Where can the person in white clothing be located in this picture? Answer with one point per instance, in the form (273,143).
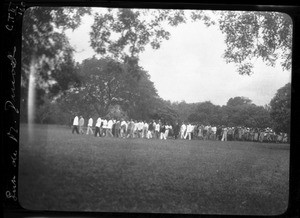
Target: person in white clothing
(167,130)
(140,127)
(75,125)
(214,132)
(149,128)
(189,130)
(109,128)
(157,129)
(224,136)
(182,130)
(89,126)
(98,127)
(135,129)
(123,129)
(145,130)
(104,127)
(81,124)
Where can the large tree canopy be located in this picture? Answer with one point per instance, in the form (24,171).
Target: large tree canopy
(256,34)
(45,45)
(125,32)
(248,34)
(281,109)
(240,100)
(47,54)
(106,83)
(205,113)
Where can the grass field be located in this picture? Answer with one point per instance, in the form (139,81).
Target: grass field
(61,171)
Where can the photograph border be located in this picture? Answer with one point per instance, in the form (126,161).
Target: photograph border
(11,26)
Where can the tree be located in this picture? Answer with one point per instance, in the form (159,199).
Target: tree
(44,111)
(205,113)
(281,109)
(240,111)
(164,111)
(106,84)
(232,102)
(256,34)
(183,109)
(144,99)
(251,115)
(116,112)
(45,45)
(48,67)
(248,34)
(125,32)
(50,112)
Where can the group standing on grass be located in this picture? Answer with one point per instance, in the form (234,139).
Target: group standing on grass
(164,130)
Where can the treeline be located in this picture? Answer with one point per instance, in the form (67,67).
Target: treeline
(239,111)
(108,88)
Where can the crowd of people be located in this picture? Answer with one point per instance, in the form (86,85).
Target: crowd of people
(156,129)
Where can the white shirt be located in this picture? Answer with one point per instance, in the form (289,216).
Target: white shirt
(140,126)
(154,125)
(81,121)
(123,123)
(190,128)
(214,129)
(90,123)
(104,123)
(157,127)
(75,122)
(98,123)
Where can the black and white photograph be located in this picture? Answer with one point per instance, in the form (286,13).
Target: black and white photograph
(160,111)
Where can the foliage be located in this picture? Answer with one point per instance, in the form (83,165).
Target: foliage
(205,113)
(125,32)
(116,112)
(248,34)
(232,102)
(165,112)
(183,109)
(46,49)
(241,111)
(106,83)
(51,112)
(44,39)
(256,34)
(281,109)
(248,115)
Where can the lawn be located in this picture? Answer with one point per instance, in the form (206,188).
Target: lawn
(62,171)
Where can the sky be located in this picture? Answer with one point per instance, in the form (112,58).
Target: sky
(189,66)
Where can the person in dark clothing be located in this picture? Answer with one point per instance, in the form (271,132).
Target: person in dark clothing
(117,129)
(176,130)
(113,130)
(219,133)
(151,129)
(162,131)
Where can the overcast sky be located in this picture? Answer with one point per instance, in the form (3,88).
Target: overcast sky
(189,66)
